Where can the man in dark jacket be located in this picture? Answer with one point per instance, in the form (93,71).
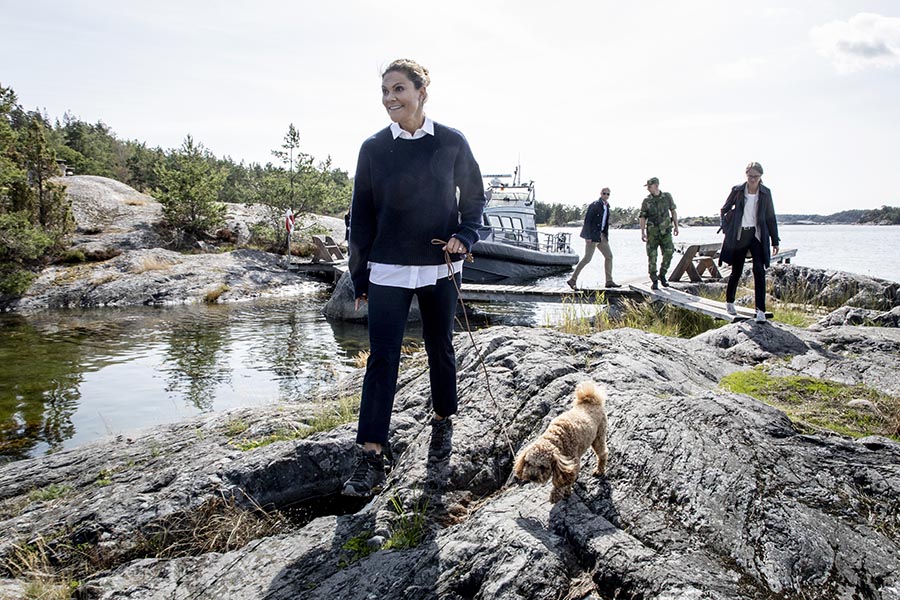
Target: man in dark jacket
(596,235)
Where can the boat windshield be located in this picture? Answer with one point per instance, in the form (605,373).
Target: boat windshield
(509,195)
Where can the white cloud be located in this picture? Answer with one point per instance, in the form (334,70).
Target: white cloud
(866,40)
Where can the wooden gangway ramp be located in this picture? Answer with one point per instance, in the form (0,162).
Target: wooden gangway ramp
(492,292)
(699,304)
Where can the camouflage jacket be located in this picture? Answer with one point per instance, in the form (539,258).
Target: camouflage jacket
(657,210)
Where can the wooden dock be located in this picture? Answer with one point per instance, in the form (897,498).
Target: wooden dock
(695,303)
(484,292)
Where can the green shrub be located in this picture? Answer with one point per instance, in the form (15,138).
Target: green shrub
(73,256)
(21,242)
(15,281)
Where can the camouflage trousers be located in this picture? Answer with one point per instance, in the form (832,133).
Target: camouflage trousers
(661,239)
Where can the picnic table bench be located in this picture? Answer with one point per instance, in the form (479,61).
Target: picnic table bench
(698,260)
(327,250)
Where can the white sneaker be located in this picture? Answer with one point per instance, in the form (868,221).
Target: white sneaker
(729,308)
(760,316)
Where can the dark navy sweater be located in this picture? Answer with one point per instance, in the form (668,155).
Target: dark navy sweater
(404,196)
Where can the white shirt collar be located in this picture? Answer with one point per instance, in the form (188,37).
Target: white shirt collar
(427,128)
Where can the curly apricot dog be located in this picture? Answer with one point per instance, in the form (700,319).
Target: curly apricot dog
(557,452)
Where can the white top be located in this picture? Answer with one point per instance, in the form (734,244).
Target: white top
(410,276)
(749,219)
(750,201)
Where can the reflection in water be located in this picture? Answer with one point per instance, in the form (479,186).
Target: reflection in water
(39,389)
(67,377)
(195,363)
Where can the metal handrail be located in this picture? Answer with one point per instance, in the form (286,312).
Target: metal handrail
(553,243)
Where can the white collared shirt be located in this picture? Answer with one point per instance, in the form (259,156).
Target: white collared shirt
(427,128)
(410,276)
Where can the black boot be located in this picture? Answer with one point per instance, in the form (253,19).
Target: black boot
(441,439)
(367,478)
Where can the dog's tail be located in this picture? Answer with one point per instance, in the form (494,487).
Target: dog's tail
(588,392)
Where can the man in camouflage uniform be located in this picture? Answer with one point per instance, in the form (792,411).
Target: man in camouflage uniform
(658,217)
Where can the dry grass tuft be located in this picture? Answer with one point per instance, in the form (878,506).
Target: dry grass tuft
(212,296)
(150,263)
(663,319)
(53,565)
(219,525)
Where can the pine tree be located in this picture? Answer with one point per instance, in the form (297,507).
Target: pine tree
(189,190)
(44,199)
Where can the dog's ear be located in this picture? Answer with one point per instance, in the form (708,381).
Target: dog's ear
(565,470)
(519,468)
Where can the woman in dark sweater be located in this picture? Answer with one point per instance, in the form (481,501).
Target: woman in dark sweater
(416,181)
(748,220)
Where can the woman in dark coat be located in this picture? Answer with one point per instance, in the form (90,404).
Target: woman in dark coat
(748,220)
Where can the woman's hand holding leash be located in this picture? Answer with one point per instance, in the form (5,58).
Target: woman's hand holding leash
(454,246)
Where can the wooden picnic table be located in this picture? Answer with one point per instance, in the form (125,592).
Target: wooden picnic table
(698,260)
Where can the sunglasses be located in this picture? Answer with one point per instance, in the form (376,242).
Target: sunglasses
(604,193)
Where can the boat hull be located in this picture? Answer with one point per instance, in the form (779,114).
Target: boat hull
(496,262)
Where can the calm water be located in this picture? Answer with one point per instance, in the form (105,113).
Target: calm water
(868,250)
(68,377)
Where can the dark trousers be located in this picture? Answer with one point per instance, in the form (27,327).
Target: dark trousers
(749,242)
(388,311)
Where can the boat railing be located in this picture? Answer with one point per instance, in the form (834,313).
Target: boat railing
(560,243)
(553,243)
(512,236)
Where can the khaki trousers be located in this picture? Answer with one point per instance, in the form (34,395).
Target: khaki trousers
(605,250)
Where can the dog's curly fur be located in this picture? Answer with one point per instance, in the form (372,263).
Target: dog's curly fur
(557,452)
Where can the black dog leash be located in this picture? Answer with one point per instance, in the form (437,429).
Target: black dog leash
(468,328)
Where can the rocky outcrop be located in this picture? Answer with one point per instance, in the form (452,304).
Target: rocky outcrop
(341,304)
(708,494)
(111,217)
(159,277)
(118,232)
(851,315)
(833,288)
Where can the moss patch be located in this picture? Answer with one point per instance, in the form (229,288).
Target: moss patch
(817,404)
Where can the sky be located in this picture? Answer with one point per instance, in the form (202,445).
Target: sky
(581,95)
